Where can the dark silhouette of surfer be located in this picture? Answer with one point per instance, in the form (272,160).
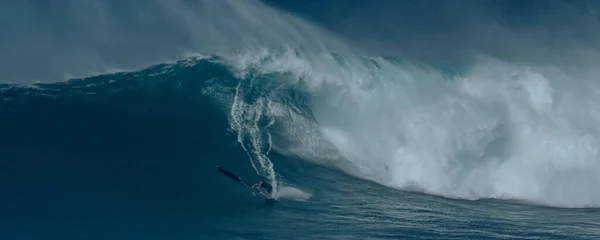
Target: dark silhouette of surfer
(265,185)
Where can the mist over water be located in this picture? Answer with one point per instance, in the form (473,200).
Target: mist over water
(512,123)
(70,39)
(78,38)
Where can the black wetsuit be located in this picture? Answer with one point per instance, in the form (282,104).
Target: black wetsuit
(267,186)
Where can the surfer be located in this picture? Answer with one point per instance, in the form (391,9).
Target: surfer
(264,185)
(255,187)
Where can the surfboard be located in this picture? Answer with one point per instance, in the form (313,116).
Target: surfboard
(240,180)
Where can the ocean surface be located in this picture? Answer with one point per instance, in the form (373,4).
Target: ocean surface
(357,144)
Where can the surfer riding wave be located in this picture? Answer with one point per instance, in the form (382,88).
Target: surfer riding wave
(265,185)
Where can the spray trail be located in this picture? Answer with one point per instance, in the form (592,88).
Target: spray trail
(246,120)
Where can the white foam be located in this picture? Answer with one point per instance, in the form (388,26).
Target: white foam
(292,193)
(439,136)
(502,130)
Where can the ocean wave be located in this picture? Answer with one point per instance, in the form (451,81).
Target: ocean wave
(498,131)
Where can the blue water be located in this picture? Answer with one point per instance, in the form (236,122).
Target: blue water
(132,154)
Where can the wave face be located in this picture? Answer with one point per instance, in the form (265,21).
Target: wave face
(496,131)
(106,153)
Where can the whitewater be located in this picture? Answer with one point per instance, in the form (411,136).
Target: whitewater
(358,143)
(498,131)
(495,130)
